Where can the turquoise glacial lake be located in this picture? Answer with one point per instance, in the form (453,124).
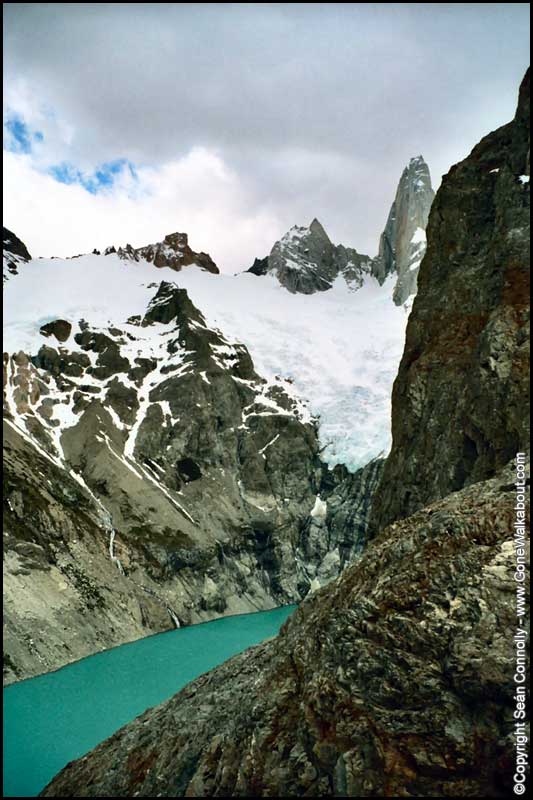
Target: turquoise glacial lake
(54,718)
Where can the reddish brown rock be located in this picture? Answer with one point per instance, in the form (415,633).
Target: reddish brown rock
(173,252)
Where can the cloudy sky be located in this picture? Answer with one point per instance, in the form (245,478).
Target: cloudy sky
(232,122)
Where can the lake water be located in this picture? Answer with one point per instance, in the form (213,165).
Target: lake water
(52,719)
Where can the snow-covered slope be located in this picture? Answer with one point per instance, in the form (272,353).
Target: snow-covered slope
(340,348)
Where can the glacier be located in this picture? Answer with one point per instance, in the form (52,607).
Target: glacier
(339,350)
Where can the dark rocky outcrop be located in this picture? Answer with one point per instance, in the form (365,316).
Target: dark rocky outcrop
(60,328)
(394,681)
(336,531)
(397,679)
(173,252)
(259,267)
(460,398)
(306,261)
(403,242)
(350,506)
(15,253)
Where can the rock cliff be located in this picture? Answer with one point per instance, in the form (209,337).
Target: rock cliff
(460,398)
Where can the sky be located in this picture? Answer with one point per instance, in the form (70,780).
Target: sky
(232,122)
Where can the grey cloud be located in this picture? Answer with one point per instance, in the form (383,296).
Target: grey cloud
(317,107)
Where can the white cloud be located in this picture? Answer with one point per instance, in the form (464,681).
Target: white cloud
(244,119)
(197,194)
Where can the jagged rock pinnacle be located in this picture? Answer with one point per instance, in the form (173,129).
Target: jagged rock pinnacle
(403,242)
(306,261)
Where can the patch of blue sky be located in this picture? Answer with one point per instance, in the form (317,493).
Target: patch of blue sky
(18,138)
(101,179)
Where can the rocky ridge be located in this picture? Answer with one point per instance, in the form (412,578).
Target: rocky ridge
(174,252)
(305,260)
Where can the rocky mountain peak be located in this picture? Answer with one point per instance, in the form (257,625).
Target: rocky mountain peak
(416,177)
(174,252)
(305,261)
(403,242)
(417,162)
(171,303)
(317,229)
(178,241)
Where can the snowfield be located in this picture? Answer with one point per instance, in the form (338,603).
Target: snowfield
(340,348)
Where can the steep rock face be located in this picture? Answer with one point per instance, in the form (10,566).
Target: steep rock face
(197,478)
(306,261)
(173,252)
(460,397)
(396,680)
(350,498)
(15,253)
(64,596)
(336,530)
(403,242)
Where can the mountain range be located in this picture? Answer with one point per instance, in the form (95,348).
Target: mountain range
(305,260)
(398,678)
(181,444)
(187,425)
